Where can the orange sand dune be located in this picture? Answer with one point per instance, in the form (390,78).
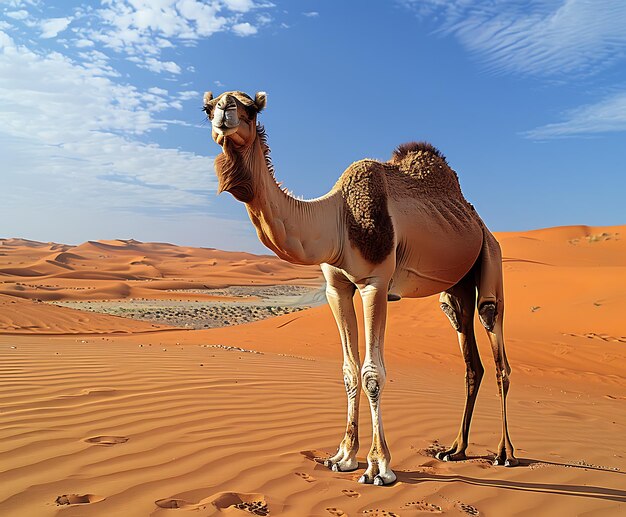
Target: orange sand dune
(99,270)
(18,316)
(161,423)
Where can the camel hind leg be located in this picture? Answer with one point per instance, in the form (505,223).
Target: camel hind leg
(459,304)
(491,315)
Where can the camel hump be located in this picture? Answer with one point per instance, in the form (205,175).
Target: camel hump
(427,167)
(403,150)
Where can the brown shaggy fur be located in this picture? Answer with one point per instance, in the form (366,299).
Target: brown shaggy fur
(364,190)
(423,162)
(233,174)
(367,184)
(413,147)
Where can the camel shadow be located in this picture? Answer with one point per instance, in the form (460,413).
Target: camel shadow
(594,492)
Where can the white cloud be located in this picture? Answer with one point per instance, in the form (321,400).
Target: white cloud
(74,139)
(311,14)
(608,115)
(84,43)
(188,95)
(242,6)
(50,28)
(244,29)
(157,91)
(5,40)
(542,37)
(17,15)
(155,65)
(264,19)
(146,27)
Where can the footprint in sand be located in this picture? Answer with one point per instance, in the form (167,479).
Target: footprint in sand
(335,511)
(172,503)
(305,476)
(350,493)
(468,508)
(254,504)
(375,512)
(107,441)
(69,499)
(422,506)
(315,456)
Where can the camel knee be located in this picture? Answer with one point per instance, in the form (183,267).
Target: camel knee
(373,383)
(452,315)
(487,314)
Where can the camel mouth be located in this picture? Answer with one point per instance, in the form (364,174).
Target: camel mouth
(224,130)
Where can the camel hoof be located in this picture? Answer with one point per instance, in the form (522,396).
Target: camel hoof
(511,462)
(447,458)
(335,467)
(378,481)
(497,462)
(364,479)
(440,456)
(328,464)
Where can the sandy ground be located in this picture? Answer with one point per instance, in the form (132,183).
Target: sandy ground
(102,415)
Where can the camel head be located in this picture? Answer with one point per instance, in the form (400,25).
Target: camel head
(233,116)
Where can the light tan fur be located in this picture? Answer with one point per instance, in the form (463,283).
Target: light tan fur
(391,230)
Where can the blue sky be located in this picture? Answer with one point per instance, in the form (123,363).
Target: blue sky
(102,134)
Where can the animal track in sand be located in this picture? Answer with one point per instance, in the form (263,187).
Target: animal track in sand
(255,508)
(254,504)
(602,337)
(375,512)
(305,476)
(173,503)
(315,456)
(336,512)
(107,441)
(432,449)
(467,508)
(71,499)
(350,493)
(422,506)
(251,503)
(481,462)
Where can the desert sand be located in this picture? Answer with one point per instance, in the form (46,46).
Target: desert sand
(106,415)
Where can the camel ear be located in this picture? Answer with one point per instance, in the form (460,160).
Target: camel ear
(208,97)
(260,101)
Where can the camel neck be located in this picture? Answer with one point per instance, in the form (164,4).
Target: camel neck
(301,232)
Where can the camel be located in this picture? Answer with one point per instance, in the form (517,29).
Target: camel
(396,229)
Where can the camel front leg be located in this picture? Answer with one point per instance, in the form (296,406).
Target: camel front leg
(373,377)
(340,293)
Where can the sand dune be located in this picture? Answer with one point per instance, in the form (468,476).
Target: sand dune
(98,270)
(18,316)
(229,421)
